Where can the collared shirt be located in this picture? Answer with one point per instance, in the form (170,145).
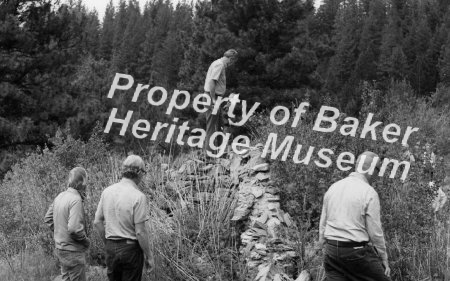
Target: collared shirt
(121,207)
(66,216)
(440,200)
(216,72)
(351,212)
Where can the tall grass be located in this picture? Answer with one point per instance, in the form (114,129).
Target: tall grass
(193,242)
(196,241)
(25,262)
(416,239)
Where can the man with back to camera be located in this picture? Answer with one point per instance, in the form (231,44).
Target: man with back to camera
(350,219)
(65,217)
(120,220)
(215,85)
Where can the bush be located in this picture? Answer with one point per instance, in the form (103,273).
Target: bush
(407,217)
(197,242)
(194,243)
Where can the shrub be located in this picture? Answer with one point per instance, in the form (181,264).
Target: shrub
(194,243)
(407,217)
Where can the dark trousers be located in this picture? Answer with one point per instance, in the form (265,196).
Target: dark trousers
(213,124)
(73,265)
(124,260)
(353,264)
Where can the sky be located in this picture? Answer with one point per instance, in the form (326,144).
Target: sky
(100,5)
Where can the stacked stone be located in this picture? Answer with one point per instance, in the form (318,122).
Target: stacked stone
(199,178)
(268,256)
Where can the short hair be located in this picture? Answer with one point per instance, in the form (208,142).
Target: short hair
(368,157)
(77,176)
(132,167)
(230,53)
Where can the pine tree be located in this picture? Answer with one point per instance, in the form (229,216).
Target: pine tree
(416,47)
(342,79)
(169,55)
(369,45)
(132,38)
(444,64)
(392,62)
(91,34)
(40,47)
(162,22)
(443,42)
(107,32)
(120,24)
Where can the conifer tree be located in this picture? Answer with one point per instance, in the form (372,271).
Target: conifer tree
(369,45)
(444,64)
(120,24)
(392,62)
(107,32)
(342,80)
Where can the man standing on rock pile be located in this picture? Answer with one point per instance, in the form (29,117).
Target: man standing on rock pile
(350,220)
(121,222)
(215,85)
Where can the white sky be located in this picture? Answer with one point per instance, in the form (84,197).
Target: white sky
(100,5)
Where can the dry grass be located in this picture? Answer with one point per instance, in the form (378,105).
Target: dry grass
(194,242)
(197,242)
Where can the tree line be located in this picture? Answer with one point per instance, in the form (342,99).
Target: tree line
(57,60)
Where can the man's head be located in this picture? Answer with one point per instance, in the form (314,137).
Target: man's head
(231,56)
(133,168)
(446,184)
(78,179)
(368,164)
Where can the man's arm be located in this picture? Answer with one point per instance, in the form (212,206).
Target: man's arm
(75,225)
(48,219)
(100,227)
(323,222)
(99,220)
(141,216)
(212,90)
(142,235)
(216,72)
(373,224)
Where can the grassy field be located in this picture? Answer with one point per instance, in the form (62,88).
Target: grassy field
(197,241)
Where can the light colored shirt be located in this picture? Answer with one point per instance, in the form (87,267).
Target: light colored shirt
(216,72)
(439,201)
(351,212)
(66,217)
(121,207)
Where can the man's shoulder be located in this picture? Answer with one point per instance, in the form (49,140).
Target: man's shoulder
(352,180)
(113,187)
(217,63)
(340,182)
(67,197)
(109,188)
(138,193)
(124,186)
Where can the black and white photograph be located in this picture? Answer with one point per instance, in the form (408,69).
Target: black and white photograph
(224,140)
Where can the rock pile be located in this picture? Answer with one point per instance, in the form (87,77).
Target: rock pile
(200,178)
(268,256)
(258,218)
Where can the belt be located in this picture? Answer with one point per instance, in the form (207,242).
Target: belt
(346,244)
(123,241)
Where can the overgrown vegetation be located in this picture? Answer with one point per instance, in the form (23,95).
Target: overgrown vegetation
(194,242)
(56,72)
(386,57)
(417,239)
(197,241)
